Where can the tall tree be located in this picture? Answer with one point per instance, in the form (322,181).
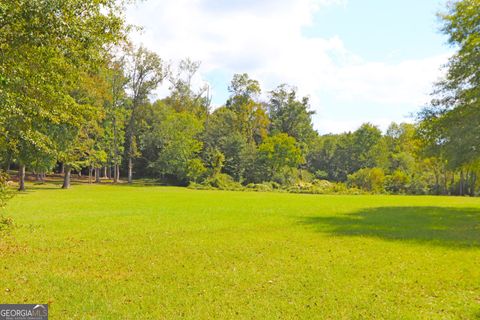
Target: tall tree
(252,119)
(183,96)
(41,60)
(451,123)
(145,71)
(290,115)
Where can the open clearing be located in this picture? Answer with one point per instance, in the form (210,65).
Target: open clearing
(131,252)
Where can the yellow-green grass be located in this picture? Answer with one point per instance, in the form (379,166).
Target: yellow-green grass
(121,252)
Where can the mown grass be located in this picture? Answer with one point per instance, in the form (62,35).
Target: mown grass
(120,252)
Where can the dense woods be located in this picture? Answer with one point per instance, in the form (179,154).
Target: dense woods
(75,97)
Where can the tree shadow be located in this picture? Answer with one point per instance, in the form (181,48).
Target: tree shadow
(453,227)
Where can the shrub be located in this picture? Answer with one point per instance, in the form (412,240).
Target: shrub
(368,179)
(195,169)
(397,182)
(285,176)
(260,187)
(4,194)
(222,181)
(5,223)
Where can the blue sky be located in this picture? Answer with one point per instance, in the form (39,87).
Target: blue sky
(358,60)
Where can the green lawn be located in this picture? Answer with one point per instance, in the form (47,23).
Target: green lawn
(119,252)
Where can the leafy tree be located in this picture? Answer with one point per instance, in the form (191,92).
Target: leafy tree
(278,152)
(450,124)
(222,134)
(251,116)
(145,72)
(175,137)
(182,96)
(41,63)
(290,115)
(116,113)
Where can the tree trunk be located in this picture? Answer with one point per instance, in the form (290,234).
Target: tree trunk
(97,175)
(105,172)
(452,184)
(21,178)
(473,181)
(461,184)
(66,177)
(445,182)
(437,182)
(90,169)
(130,170)
(116,173)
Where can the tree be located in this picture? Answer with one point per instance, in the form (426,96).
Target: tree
(145,72)
(222,134)
(251,116)
(174,137)
(450,124)
(41,62)
(278,152)
(290,115)
(183,97)
(343,154)
(116,114)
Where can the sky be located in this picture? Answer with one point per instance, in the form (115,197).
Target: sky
(358,60)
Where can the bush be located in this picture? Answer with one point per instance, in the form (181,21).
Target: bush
(199,186)
(285,176)
(195,169)
(4,194)
(222,181)
(368,179)
(397,182)
(5,223)
(260,187)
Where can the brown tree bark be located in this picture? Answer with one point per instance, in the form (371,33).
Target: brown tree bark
(21,178)
(130,170)
(66,177)
(97,175)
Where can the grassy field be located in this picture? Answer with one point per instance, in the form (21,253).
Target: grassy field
(120,252)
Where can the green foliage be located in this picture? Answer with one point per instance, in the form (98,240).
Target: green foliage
(368,179)
(5,223)
(291,116)
(449,125)
(48,50)
(223,182)
(195,170)
(251,116)
(4,194)
(279,152)
(397,182)
(175,136)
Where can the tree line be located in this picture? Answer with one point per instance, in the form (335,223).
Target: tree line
(75,96)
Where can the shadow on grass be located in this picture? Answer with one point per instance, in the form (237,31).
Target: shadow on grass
(455,227)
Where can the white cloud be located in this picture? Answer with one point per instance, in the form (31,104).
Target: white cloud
(265,39)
